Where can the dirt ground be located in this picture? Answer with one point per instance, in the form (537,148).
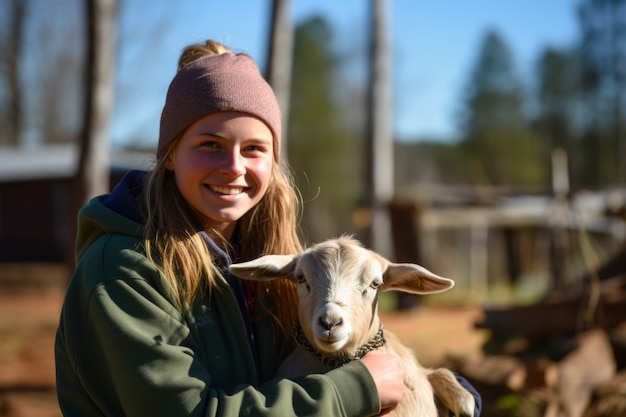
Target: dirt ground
(28,320)
(27,326)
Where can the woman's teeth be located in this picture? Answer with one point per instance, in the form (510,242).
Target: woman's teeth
(226,190)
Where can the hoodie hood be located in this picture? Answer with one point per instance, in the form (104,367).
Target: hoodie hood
(118,212)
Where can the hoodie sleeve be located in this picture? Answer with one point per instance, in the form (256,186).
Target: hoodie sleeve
(123,349)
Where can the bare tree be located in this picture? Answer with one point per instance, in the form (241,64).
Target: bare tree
(280,57)
(55,97)
(13,51)
(40,59)
(93,173)
(93,167)
(379,133)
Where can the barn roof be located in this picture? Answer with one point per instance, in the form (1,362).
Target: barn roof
(60,161)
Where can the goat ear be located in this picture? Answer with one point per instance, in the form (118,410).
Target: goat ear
(265,268)
(414,279)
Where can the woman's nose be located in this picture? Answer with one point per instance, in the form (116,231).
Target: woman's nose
(233,163)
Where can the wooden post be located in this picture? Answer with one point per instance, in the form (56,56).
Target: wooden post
(558,232)
(406,245)
(512,250)
(479,256)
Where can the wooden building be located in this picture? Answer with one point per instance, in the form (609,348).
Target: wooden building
(35,186)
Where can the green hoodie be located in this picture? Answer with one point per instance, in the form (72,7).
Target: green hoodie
(124,349)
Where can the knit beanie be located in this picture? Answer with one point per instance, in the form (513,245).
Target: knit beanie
(218,83)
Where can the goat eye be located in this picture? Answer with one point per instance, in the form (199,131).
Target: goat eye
(302,280)
(375,284)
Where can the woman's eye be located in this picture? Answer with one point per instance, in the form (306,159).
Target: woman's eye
(255,148)
(210,145)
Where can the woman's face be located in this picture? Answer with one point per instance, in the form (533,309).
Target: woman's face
(223,165)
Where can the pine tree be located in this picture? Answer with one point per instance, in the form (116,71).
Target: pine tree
(494,123)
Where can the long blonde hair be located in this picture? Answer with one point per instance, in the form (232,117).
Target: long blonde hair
(270,227)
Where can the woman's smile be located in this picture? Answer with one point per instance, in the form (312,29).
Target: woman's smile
(226,190)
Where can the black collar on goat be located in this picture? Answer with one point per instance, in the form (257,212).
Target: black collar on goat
(335,360)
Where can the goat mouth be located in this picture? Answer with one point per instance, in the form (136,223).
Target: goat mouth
(329,346)
(336,356)
(330,343)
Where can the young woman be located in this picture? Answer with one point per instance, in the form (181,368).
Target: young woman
(152,323)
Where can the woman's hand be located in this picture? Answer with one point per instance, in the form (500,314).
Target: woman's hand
(388,376)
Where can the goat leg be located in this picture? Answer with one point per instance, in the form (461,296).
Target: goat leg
(450,393)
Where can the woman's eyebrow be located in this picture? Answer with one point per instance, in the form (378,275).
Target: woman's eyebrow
(224,135)
(261,139)
(216,133)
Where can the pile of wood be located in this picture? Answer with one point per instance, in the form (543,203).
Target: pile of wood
(562,357)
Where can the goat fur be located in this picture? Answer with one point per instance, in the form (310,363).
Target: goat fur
(338,284)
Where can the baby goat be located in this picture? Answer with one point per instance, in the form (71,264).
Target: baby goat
(338,284)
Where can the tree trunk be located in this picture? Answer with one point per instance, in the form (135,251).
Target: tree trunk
(93,173)
(279,61)
(93,166)
(379,166)
(14,119)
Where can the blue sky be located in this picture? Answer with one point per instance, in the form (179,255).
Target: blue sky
(434,44)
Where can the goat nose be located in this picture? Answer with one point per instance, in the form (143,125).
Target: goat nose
(329,323)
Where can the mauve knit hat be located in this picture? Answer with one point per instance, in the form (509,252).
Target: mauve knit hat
(218,83)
